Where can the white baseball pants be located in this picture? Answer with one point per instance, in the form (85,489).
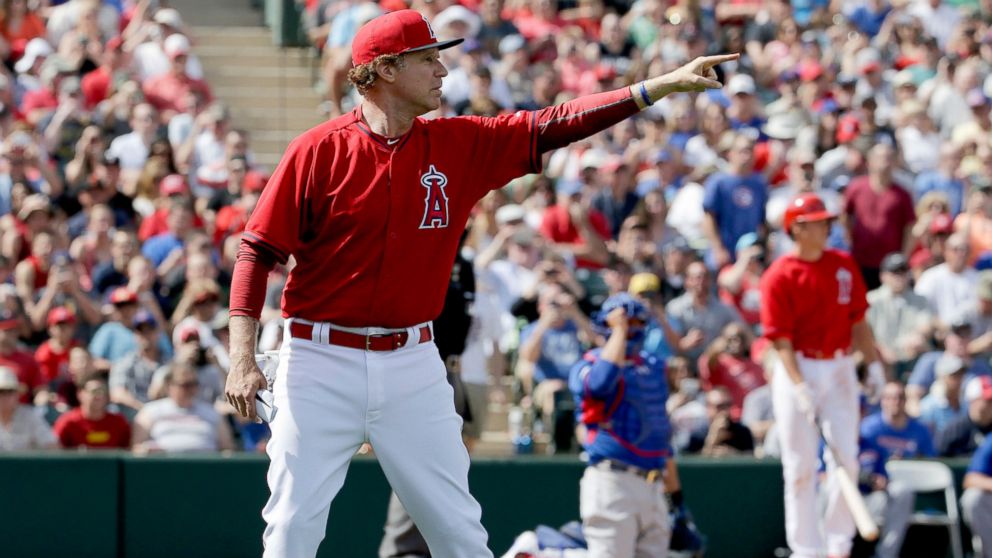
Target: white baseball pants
(331,399)
(835,394)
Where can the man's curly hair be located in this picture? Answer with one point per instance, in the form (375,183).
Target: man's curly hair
(363,76)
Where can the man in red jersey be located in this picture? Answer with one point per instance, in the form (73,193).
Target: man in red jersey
(371,206)
(814,303)
(91,425)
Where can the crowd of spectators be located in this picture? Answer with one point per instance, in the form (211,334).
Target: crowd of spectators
(124,187)
(881,107)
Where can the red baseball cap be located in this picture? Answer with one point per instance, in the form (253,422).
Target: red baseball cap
(848,128)
(397,32)
(123,295)
(61,315)
(188,332)
(173,184)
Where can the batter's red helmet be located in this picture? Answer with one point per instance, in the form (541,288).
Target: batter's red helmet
(805,209)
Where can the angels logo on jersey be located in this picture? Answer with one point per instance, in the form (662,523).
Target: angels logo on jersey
(844,286)
(436,202)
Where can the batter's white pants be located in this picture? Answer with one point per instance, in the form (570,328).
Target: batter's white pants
(835,394)
(623,515)
(330,400)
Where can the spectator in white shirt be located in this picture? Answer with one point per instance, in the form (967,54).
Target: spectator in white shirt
(952,285)
(21,428)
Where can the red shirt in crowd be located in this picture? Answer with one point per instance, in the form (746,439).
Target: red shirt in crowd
(74,430)
(740,376)
(158,223)
(53,364)
(813,304)
(557,226)
(231,219)
(880,220)
(168,91)
(747,301)
(95,86)
(42,98)
(26,369)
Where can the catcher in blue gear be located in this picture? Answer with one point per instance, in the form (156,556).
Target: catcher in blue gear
(620,394)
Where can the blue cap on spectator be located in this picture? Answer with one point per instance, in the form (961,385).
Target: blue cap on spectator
(662,156)
(827,106)
(677,244)
(719,97)
(984,261)
(746,241)
(568,186)
(143,317)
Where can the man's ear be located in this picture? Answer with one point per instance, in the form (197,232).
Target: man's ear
(386,72)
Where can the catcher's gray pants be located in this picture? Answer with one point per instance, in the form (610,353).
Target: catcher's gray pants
(623,515)
(976,507)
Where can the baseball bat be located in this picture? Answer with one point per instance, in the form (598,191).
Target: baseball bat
(867,527)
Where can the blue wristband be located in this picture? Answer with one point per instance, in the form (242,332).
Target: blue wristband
(644,95)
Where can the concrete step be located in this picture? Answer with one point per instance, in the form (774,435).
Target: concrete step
(231,36)
(253,56)
(299,80)
(497,417)
(268,98)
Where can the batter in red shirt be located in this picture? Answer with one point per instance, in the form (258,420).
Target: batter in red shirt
(371,206)
(813,308)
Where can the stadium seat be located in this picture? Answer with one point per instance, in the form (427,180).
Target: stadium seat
(931,476)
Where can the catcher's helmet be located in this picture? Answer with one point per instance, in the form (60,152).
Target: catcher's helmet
(806,208)
(636,312)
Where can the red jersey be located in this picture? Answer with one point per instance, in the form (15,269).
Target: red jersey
(813,304)
(374,226)
(557,226)
(158,223)
(740,376)
(747,301)
(95,86)
(74,430)
(880,220)
(167,91)
(53,364)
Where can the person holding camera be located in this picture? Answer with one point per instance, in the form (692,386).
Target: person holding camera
(550,346)
(190,351)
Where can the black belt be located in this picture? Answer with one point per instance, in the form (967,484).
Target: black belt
(651,475)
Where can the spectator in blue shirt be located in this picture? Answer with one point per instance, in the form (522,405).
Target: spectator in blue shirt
(893,434)
(892,429)
(955,344)
(550,346)
(869,16)
(941,406)
(734,202)
(944,178)
(962,435)
(167,248)
(976,502)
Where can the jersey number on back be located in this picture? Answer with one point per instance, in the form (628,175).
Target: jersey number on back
(436,202)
